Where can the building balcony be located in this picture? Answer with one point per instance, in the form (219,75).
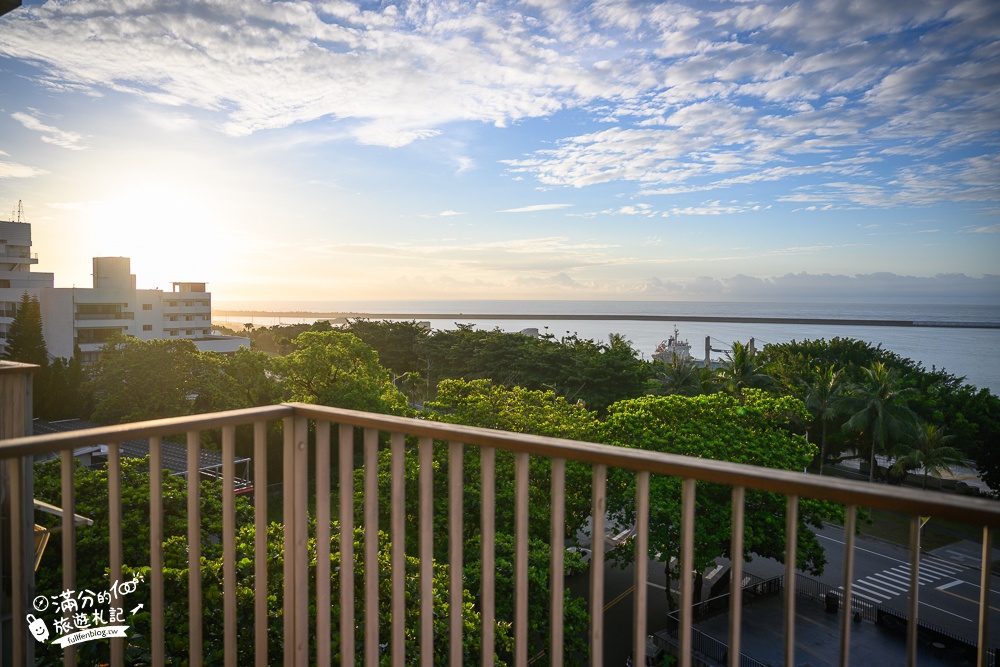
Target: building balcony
(187,306)
(315,440)
(21,257)
(94,319)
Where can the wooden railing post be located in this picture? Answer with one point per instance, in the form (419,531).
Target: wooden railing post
(16,512)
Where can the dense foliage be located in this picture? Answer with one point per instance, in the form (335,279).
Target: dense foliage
(25,342)
(790,406)
(481,403)
(91,496)
(758,430)
(93,564)
(854,373)
(58,383)
(338,369)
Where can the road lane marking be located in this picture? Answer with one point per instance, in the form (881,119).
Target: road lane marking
(962,597)
(923,575)
(856,594)
(621,596)
(947,586)
(968,583)
(933,567)
(869,584)
(869,592)
(945,611)
(891,583)
(900,578)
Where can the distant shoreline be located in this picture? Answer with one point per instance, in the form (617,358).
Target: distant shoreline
(629,318)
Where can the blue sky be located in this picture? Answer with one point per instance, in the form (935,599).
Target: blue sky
(538,149)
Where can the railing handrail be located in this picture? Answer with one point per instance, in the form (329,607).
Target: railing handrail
(296,598)
(790,483)
(54,442)
(967,510)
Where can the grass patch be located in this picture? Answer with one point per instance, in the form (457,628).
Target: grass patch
(936,533)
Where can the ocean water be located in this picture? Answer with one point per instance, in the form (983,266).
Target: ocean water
(965,352)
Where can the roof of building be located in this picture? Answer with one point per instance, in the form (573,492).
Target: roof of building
(174,454)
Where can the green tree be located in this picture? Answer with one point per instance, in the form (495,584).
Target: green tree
(91,497)
(929,451)
(607,373)
(518,410)
(975,417)
(578,369)
(788,362)
(824,395)
(758,432)
(61,392)
(339,370)
(253,380)
(935,396)
(484,404)
(878,410)
(398,343)
(26,344)
(742,370)
(135,380)
(25,341)
(176,615)
(92,567)
(681,375)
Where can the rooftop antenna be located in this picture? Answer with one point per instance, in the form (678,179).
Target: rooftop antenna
(20,212)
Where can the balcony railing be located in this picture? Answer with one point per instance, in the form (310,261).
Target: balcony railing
(326,434)
(88,317)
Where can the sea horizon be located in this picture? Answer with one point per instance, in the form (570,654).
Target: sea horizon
(900,308)
(968,353)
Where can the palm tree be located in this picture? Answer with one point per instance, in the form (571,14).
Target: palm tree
(930,451)
(823,395)
(681,375)
(741,371)
(879,409)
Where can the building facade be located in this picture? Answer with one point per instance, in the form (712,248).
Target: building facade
(87,317)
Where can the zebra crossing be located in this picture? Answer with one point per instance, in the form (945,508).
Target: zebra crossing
(895,581)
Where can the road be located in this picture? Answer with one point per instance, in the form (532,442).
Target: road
(948,596)
(949,581)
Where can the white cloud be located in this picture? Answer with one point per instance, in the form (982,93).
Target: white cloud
(702,97)
(956,287)
(713,208)
(263,65)
(15,170)
(535,208)
(50,134)
(988,229)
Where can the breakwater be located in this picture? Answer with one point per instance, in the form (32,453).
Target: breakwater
(240,314)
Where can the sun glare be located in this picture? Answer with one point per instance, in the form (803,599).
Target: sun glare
(171,233)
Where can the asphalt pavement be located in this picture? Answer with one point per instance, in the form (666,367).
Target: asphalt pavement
(948,596)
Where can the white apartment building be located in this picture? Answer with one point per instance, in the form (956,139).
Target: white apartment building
(88,316)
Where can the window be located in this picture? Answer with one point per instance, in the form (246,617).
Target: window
(147,306)
(147,327)
(188,332)
(173,332)
(4,283)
